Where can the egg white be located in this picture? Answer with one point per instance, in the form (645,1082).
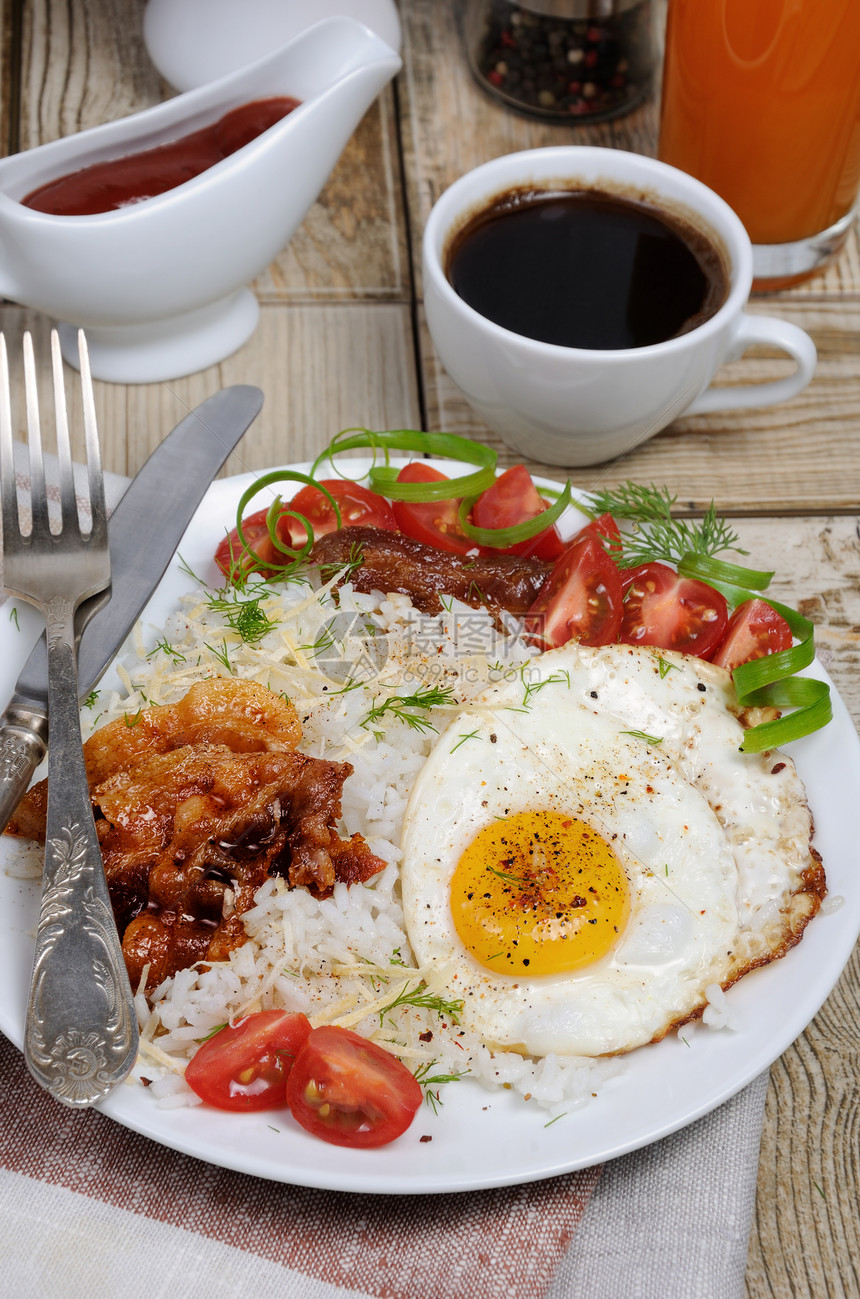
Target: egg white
(714,842)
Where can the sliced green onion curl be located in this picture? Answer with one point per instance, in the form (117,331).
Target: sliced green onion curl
(276,510)
(502,537)
(769,681)
(712,571)
(813,709)
(383,478)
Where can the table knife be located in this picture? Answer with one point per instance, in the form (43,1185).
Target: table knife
(144,531)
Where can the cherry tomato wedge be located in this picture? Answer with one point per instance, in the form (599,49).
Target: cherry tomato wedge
(436,523)
(605,527)
(349,1091)
(672,612)
(234,560)
(512,499)
(580,600)
(358,506)
(755,629)
(245,1066)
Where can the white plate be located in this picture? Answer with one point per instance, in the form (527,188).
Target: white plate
(192,42)
(482,1139)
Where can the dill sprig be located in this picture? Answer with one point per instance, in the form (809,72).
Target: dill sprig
(326,639)
(343,571)
(354,560)
(411,708)
(534,687)
(463,738)
(243,611)
(509,879)
(163,646)
(421,999)
(222,654)
(208,1036)
(642,735)
(656,534)
(428,1081)
(184,567)
(352,683)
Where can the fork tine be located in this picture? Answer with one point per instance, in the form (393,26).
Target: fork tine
(38,494)
(94,460)
(68,500)
(8,485)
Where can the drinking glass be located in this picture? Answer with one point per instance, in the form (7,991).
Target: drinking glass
(761,101)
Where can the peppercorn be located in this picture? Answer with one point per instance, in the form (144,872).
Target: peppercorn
(535,61)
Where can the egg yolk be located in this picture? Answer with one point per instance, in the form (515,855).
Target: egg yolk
(539,893)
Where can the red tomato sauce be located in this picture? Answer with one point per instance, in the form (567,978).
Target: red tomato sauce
(118,182)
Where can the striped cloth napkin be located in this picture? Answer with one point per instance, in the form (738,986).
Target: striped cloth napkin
(90,1210)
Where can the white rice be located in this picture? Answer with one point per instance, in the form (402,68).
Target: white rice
(342,960)
(718,1013)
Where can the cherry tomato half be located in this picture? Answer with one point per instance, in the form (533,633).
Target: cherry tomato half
(349,1091)
(606,529)
(672,612)
(580,600)
(245,1066)
(234,560)
(436,523)
(358,506)
(512,499)
(755,629)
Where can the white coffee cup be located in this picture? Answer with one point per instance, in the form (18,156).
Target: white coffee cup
(579,406)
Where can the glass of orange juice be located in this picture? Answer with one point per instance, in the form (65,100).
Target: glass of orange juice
(761,102)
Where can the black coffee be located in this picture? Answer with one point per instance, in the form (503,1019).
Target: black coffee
(585,268)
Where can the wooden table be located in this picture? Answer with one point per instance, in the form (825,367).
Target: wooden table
(342,341)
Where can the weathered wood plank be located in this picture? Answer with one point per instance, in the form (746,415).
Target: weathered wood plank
(321,368)
(800,456)
(83,63)
(352,244)
(9,75)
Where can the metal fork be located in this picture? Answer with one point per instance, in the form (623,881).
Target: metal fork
(81,1033)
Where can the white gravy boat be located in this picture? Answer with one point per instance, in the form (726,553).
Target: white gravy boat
(159,285)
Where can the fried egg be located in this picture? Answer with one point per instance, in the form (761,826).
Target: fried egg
(586,851)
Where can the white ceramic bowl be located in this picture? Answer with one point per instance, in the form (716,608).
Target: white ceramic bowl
(195,41)
(159,285)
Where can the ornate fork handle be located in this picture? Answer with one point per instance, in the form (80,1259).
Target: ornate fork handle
(81,1035)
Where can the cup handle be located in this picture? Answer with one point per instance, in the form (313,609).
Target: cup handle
(778,333)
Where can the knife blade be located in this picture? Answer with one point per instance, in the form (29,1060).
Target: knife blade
(143,531)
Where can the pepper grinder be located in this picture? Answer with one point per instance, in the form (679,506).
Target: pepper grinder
(581,60)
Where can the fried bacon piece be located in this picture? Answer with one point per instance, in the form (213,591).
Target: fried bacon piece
(244,716)
(182,827)
(203,796)
(391,561)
